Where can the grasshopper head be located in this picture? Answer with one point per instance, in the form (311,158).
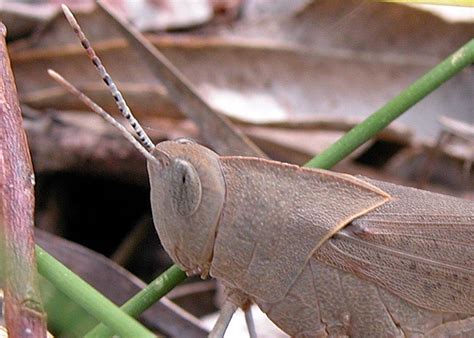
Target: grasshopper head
(187,197)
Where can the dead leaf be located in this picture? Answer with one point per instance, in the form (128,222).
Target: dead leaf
(252,82)
(365,26)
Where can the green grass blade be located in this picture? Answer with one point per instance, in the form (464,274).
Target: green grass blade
(145,298)
(394,108)
(88,297)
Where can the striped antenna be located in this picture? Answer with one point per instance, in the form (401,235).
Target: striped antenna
(119,100)
(97,109)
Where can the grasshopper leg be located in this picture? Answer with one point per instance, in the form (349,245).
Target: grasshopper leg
(227,311)
(250,323)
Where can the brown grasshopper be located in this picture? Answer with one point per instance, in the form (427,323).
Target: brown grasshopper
(321,253)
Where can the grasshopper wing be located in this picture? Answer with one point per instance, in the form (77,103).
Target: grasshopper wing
(419,245)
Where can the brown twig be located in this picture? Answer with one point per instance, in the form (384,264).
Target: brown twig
(23,310)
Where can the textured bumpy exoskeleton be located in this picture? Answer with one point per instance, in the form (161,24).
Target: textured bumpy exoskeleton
(321,253)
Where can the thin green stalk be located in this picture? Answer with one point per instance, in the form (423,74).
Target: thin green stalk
(88,297)
(145,298)
(394,108)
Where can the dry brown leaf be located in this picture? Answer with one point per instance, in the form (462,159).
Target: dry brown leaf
(357,25)
(22,19)
(148,15)
(253,82)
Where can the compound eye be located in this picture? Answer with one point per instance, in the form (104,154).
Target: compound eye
(185,140)
(186,188)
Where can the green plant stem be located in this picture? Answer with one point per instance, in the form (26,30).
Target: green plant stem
(145,298)
(88,297)
(394,108)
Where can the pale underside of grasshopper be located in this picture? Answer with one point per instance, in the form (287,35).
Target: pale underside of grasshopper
(321,253)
